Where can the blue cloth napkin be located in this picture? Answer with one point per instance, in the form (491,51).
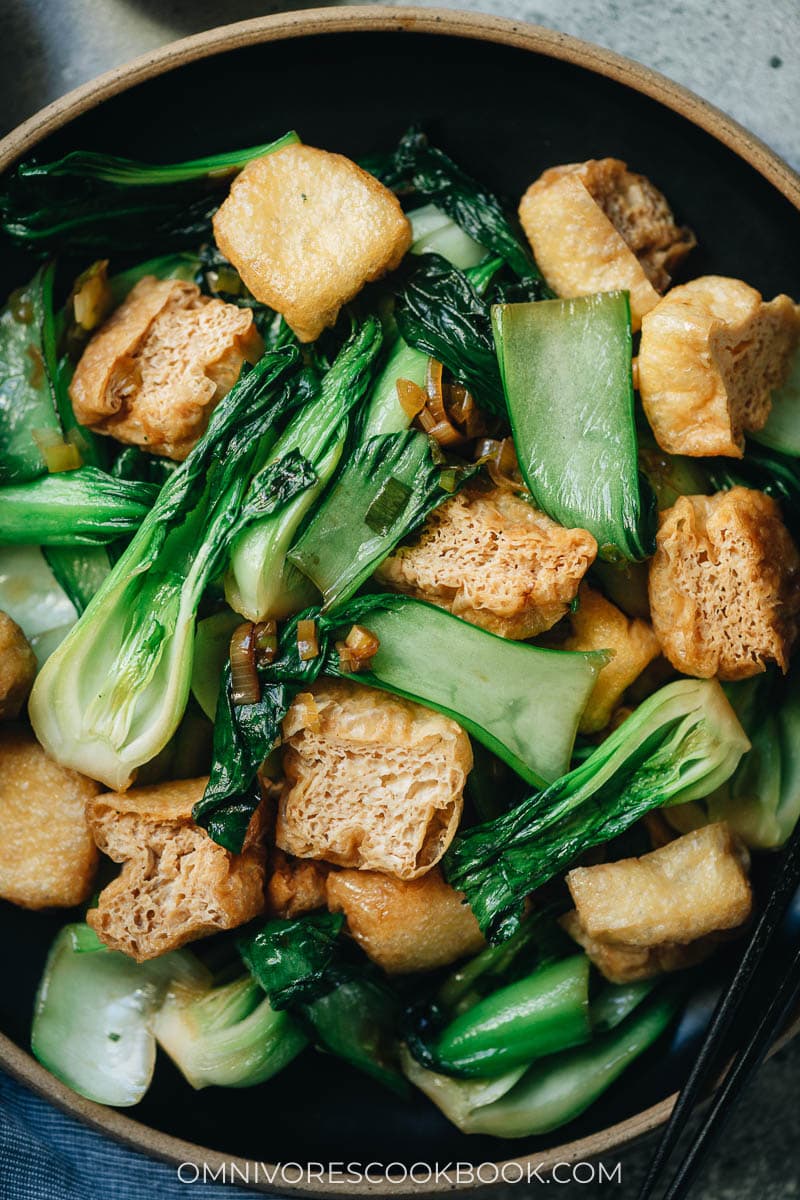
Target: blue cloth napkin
(45,1155)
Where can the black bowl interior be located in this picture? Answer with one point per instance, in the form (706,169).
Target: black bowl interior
(505,114)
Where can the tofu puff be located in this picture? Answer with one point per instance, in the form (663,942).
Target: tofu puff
(710,356)
(47,855)
(596,227)
(640,916)
(597,624)
(402,925)
(176,884)
(154,371)
(493,559)
(373,781)
(306,230)
(17,668)
(725,585)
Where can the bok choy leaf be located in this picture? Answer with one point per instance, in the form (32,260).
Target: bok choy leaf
(679,745)
(336,994)
(421,170)
(29,416)
(385,490)
(260,583)
(85,507)
(113,693)
(522,701)
(88,201)
(566,368)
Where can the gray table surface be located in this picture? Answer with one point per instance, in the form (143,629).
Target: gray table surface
(741,54)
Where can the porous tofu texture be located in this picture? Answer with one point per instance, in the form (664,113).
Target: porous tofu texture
(596,227)
(711,354)
(405,926)
(295,885)
(176,884)
(306,229)
(493,559)
(725,585)
(17,668)
(47,855)
(154,371)
(373,781)
(627,964)
(692,887)
(597,624)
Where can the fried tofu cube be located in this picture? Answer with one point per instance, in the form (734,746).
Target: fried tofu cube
(693,886)
(724,585)
(596,227)
(597,624)
(627,964)
(47,856)
(405,925)
(17,668)
(493,559)
(373,781)
(306,229)
(711,353)
(295,885)
(155,370)
(176,884)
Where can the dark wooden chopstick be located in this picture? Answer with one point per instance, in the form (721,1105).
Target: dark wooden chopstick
(739,1075)
(727,1008)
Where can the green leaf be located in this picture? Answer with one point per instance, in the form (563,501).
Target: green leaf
(88,201)
(28,406)
(386,488)
(680,744)
(85,507)
(566,367)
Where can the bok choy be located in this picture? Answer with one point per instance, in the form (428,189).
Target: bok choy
(333,990)
(566,368)
(522,1102)
(418,169)
(679,745)
(761,800)
(91,1024)
(522,701)
(385,490)
(260,583)
(85,507)
(113,693)
(92,201)
(229,1036)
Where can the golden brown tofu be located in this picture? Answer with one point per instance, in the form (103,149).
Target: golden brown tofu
(597,624)
(724,594)
(405,926)
(47,855)
(372,781)
(626,964)
(691,887)
(295,885)
(596,227)
(176,884)
(494,560)
(306,230)
(711,354)
(17,668)
(153,373)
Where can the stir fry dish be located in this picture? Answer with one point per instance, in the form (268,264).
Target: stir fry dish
(399,607)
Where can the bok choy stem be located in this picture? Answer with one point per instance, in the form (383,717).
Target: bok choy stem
(679,744)
(113,693)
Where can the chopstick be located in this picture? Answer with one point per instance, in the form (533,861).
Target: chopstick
(750,1054)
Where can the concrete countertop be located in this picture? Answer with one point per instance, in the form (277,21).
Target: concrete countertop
(745,58)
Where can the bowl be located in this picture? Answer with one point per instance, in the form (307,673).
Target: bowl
(505,99)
